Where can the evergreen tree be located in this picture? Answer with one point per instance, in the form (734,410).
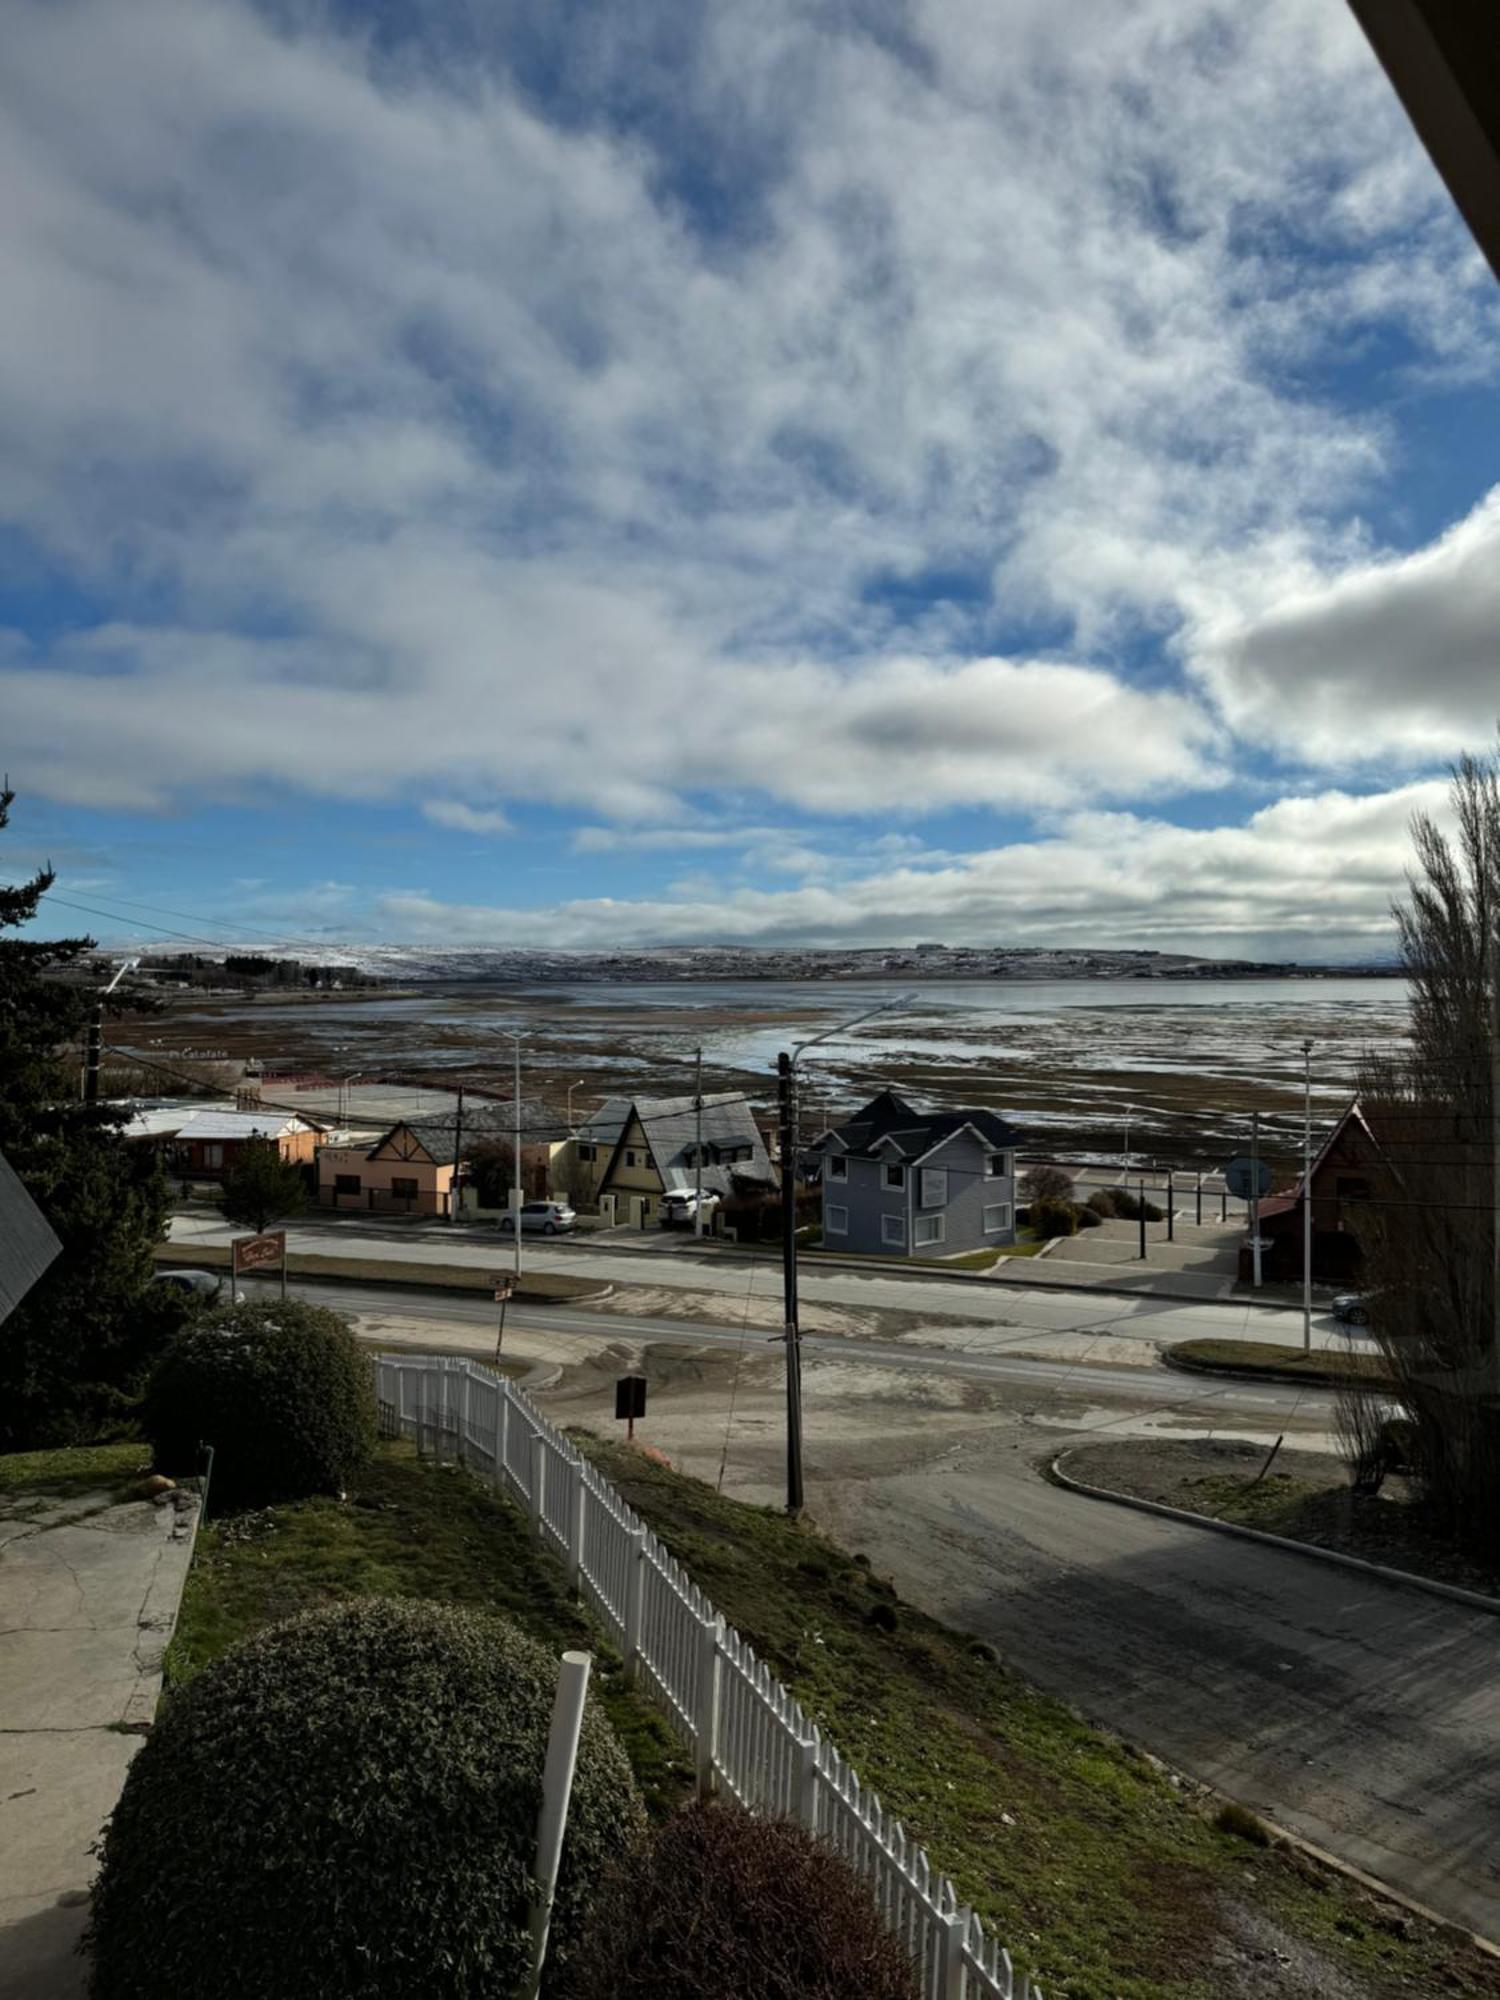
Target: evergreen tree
(77,1349)
(261,1188)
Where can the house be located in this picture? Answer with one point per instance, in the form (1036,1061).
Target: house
(409,1168)
(898,1182)
(635,1148)
(28,1242)
(208,1144)
(1350,1168)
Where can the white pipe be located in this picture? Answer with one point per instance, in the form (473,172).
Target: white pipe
(557,1789)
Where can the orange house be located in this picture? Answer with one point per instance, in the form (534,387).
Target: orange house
(208,1144)
(408,1171)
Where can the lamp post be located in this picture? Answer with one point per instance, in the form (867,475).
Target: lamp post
(94,1050)
(1125,1156)
(786,1075)
(572,1128)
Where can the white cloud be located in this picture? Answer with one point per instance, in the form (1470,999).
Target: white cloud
(466,819)
(1392,656)
(469,463)
(1308,877)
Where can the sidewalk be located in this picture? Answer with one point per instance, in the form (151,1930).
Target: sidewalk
(89,1589)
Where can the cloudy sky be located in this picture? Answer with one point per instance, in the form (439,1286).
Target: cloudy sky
(688,471)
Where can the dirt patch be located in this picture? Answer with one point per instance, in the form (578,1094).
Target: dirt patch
(1305,1496)
(760,1308)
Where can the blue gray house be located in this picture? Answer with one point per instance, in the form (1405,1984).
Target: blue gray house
(904,1183)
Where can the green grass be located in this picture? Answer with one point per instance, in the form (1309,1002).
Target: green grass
(85,1468)
(1261,1357)
(408,1529)
(1099,1874)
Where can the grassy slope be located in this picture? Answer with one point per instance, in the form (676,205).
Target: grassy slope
(87,1468)
(1262,1357)
(1084,1856)
(407,1530)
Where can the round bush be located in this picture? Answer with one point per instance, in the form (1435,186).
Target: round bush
(1053,1218)
(1102,1203)
(1086,1217)
(738,1908)
(344,1808)
(283,1393)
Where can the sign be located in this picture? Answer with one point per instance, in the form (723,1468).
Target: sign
(630,1398)
(258,1253)
(1246,1178)
(504,1283)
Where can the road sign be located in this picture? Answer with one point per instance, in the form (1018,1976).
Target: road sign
(259,1253)
(1246,1178)
(630,1398)
(504,1283)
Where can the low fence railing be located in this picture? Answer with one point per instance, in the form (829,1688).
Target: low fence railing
(746,1734)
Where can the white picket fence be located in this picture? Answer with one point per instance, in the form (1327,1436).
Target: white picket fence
(747,1736)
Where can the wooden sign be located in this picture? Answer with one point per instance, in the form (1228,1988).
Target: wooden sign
(258,1253)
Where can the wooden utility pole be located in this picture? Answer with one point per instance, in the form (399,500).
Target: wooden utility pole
(787,1109)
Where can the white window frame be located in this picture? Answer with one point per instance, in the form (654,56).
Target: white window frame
(893,1175)
(929,1229)
(994,1173)
(835,1221)
(1002,1209)
(838,1167)
(893,1231)
(933,1192)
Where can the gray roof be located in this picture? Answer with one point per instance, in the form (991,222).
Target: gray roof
(889,1123)
(268,1124)
(671,1128)
(487,1121)
(27,1241)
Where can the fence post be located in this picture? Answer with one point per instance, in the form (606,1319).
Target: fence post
(706,1705)
(465,1400)
(635,1598)
(502,1436)
(953,1934)
(538,1480)
(578,1501)
(806,1804)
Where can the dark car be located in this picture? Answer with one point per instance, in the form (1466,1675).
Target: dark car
(205,1286)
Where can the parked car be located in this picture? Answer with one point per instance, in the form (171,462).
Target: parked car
(679,1207)
(206,1286)
(549,1218)
(1353,1308)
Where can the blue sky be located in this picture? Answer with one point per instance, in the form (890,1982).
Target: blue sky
(698,473)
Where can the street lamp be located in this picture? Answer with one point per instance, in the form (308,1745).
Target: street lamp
(1307,1049)
(94,1048)
(572,1129)
(786,1071)
(1125,1156)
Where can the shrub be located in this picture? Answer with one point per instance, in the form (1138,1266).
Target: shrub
(280,1389)
(1086,1217)
(344,1807)
(1130,1206)
(1047,1184)
(739,1908)
(1053,1218)
(1102,1204)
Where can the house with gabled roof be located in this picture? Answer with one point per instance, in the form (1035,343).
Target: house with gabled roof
(636,1148)
(1353,1166)
(898,1182)
(210,1144)
(409,1169)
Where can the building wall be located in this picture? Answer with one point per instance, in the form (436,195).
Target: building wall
(634,1172)
(377,1194)
(211,1159)
(869,1202)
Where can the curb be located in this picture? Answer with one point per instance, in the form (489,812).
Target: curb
(1455,1593)
(1299,1378)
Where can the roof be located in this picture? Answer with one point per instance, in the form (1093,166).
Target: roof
(163,1121)
(487,1121)
(27,1242)
(671,1128)
(893,1129)
(243,1125)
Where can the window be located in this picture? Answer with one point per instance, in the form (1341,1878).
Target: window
(893,1229)
(346,1183)
(1352,1188)
(835,1222)
(213,1156)
(997,1218)
(585,1152)
(895,1177)
(996,1167)
(934,1187)
(929,1229)
(838,1167)
(404,1189)
(630,1159)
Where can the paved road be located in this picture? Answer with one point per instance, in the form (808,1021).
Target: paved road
(1364,1716)
(472,1322)
(1011,1308)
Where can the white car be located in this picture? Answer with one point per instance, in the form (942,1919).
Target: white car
(550,1218)
(679,1207)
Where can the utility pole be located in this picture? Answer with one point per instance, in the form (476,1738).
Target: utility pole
(1171,1210)
(1255,1198)
(1125,1156)
(1200,1197)
(1140,1197)
(458,1156)
(515,1174)
(1307,1230)
(1494,957)
(698,1146)
(787,1110)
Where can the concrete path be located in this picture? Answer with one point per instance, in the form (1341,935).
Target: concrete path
(89,1590)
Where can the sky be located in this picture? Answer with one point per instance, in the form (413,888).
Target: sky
(831,471)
